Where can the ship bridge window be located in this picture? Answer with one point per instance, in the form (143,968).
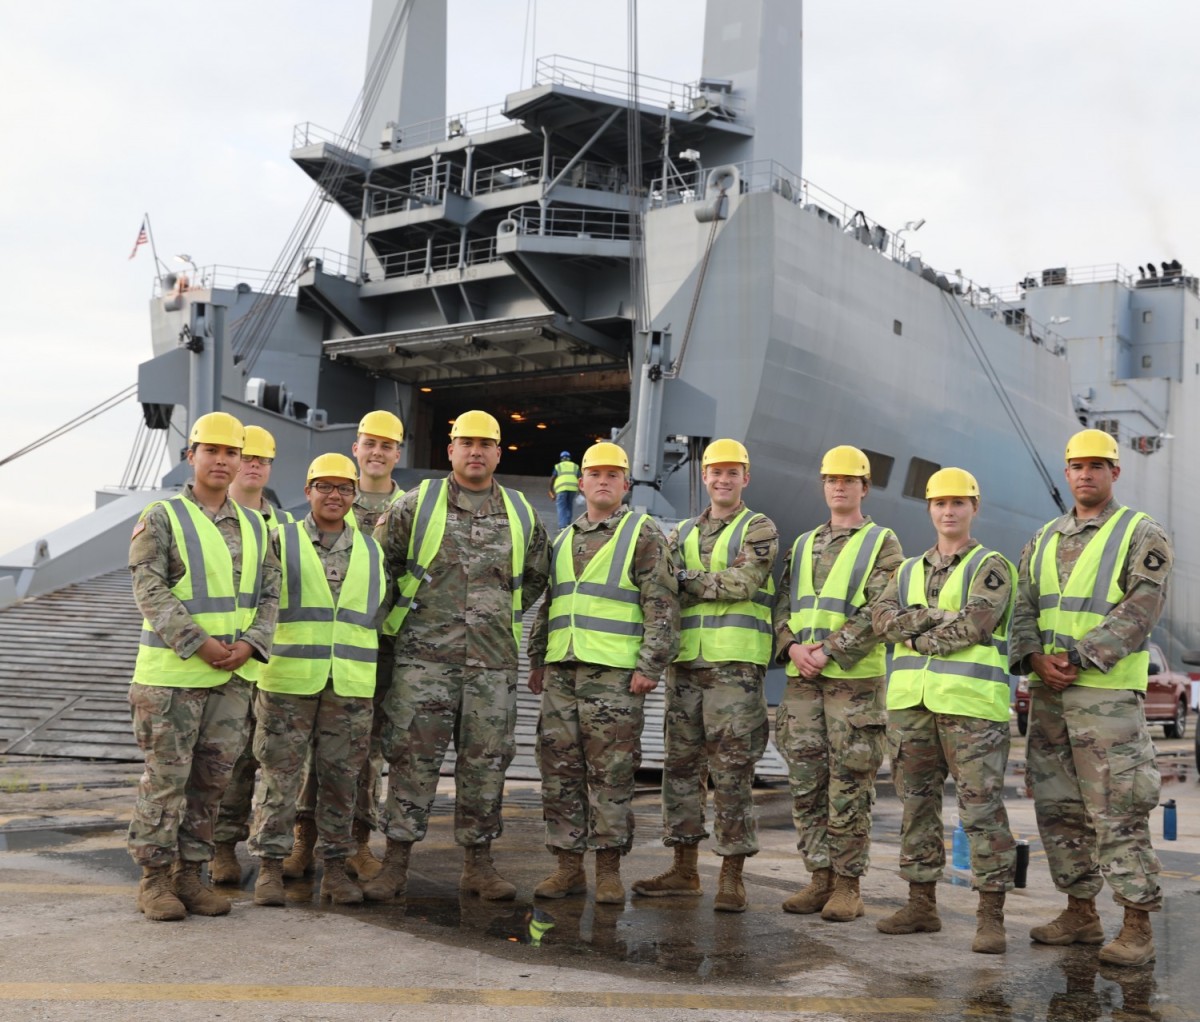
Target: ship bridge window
(1147,315)
(919,471)
(897,327)
(881,468)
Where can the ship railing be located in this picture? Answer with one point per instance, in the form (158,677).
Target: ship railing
(229,278)
(442,129)
(430,183)
(503,176)
(557,69)
(590,174)
(328,260)
(434,257)
(306,134)
(563,222)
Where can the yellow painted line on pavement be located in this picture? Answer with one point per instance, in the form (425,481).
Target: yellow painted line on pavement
(8,887)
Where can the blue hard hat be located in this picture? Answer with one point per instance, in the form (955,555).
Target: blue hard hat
(565,454)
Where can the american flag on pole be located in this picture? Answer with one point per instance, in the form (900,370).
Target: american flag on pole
(142,238)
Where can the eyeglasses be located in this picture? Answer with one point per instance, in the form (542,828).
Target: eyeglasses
(345,489)
(257,459)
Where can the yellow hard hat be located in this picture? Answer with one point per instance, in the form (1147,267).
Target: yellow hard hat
(951,482)
(477,424)
(845,461)
(259,443)
(332,466)
(1093,443)
(605,455)
(384,424)
(218,428)
(720,451)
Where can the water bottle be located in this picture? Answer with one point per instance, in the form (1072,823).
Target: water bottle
(1022,864)
(962,848)
(1169,820)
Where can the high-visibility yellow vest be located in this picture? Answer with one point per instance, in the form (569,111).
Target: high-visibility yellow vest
(317,638)
(1093,589)
(970,682)
(425,540)
(352,518)
(815,616)
(724,630)
(566,477)
(252,668)
(206,592)
(599,615)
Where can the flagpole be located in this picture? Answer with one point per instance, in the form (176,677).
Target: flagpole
(158,264)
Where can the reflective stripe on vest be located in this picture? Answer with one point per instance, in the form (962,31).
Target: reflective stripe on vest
(566,477)
(815,616)
(970,682)
(597,617)
(720,631)
(1066,616)
(248,609)
(206,592)
(425,540)
(316,639)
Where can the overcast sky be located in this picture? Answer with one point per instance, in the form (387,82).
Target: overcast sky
(1027,134)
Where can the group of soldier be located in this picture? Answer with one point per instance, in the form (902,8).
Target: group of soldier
(383,625)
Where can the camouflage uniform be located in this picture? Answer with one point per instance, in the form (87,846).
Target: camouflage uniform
(1089,754)
(456,666)
(590,729)
(831,731)
(717,713)
(336,728)
(925,746)
(190,737)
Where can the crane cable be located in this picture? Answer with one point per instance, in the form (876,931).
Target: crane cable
(98,409)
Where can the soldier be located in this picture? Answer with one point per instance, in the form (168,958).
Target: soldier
(830,723)
(611,569)
(208,586)
(948,613)
(564,485)
(469,558)
(716,709)
(376,449)
(1092,584)
(316,689)
(233,819)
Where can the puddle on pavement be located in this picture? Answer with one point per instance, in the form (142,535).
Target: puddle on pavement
(36,839)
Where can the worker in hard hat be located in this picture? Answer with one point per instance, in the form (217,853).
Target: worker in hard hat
(716,712)
(377,451)
(1092,584)
(947,612)
(564,487)
(603,639)
(468,557)
(207,583)
(830,724)
(233,819)
(315,691)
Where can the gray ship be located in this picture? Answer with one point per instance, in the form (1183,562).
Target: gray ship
(609,255)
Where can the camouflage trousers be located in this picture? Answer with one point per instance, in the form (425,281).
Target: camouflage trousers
(1091,766)
(831,733)
(233,818)
(589,746)
(716,718)
(190,738)
(927,746)
(429,704)
(337,729)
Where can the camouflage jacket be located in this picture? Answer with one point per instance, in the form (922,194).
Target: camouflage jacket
(157,565)
(368,508)
(651,570)
(856,638)
(1143,579)
(463,614)
(743,578)
(936,632)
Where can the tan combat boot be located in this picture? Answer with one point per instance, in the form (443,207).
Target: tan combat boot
(918,916)
(268,888)
(338,887)
(1078,923)
(197,897)
(1134,945)
(225,868)
(609,890)
(156,895)
(731,892)
(812,898)
(362,863)
(299,862)
(479,875)
(568,878)
(845,904)
(989,924)
(392,881)
(681,879)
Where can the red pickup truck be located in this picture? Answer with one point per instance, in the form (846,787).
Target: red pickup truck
(1167,697)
